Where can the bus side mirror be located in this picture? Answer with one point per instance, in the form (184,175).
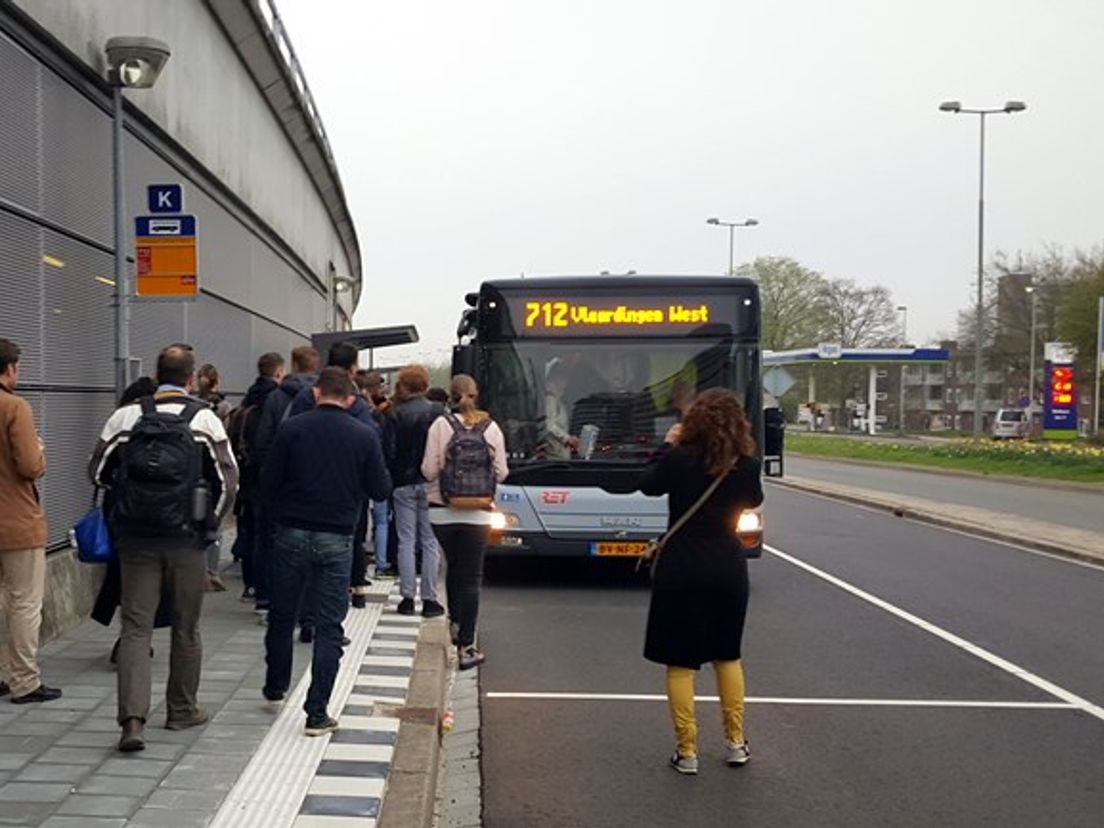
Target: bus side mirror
(463,360)
(774,436)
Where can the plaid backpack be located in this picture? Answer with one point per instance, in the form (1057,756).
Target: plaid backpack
(468,478)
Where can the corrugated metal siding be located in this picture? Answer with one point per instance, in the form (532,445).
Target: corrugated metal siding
(21,289)
(78,314)
(76,161)
(19,127)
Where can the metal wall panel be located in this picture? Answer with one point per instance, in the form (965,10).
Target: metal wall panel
(21,292)
(71,425)
(153,325)
(78,313)
(222,335)
(76,161)
(19,127)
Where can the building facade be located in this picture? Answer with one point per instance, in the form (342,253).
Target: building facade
(232,121)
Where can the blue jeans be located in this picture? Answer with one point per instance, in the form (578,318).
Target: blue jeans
(324,560)
(379,531)
(413,528)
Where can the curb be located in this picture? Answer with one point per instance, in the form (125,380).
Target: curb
(412,784)
(1029,482)
(904,510)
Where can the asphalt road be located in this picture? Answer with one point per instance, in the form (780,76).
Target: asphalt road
(855,713)
(1077,509)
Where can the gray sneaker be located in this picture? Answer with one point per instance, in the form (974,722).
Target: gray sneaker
(737,753)
(684,764)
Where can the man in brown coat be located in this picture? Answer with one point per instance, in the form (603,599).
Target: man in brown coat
(22,538)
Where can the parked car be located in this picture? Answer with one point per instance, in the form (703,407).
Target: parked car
(1011,424)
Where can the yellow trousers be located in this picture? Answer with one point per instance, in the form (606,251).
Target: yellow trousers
(680,699)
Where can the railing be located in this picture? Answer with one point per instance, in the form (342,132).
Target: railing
(287,52)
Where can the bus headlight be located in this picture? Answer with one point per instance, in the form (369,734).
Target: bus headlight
(503,520)
(749,527)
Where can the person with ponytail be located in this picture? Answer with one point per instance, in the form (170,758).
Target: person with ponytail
(700,588)
(463,524)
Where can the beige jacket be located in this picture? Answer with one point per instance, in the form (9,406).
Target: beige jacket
(433,461)
(22,462)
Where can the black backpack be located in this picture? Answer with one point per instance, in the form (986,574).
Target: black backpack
(160,472)
(241,429)
(468,479)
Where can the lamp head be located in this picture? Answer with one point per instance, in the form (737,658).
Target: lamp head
(1015,106)
(135,62)
(712,221)
(950,106)
(751,222)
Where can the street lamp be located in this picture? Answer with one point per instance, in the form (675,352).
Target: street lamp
(732,225)
(903,310)
(338,285)
(132,63)
(956,108)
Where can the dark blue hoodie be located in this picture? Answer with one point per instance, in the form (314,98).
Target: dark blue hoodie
(275,404)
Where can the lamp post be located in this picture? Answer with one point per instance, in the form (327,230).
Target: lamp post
(132,63)
(1034,294)
(903,310)
(732,225)
(979,362)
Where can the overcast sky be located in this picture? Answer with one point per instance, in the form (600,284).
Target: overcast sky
(491,138)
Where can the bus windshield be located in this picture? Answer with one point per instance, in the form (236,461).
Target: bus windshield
(605,401)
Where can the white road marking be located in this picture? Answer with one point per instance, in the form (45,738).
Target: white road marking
(655,697)
(1009,667)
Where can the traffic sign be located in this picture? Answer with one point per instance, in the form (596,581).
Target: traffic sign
(778,381)
(165,198)
(165,255)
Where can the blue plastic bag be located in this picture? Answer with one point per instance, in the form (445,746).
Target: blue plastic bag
(92,539)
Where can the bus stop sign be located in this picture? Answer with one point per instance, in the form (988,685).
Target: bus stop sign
(165,257)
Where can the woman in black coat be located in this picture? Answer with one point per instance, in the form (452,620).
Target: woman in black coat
(700,591)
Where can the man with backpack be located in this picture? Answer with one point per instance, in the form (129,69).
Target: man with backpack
(172,478)
(241,427)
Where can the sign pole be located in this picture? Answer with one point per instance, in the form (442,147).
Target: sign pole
(122,282)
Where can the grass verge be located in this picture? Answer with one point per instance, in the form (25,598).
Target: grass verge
(1076,462)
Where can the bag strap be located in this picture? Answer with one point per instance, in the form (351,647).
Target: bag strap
(454,421)
(149,406)
(685,517)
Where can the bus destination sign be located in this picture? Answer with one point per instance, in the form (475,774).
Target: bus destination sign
(648,315)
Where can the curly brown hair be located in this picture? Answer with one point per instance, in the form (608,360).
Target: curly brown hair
(716,428)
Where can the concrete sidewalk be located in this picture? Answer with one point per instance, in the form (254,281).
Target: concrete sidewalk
(59,766)
(1033,533)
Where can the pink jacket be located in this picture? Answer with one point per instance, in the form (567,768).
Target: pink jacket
(437,446)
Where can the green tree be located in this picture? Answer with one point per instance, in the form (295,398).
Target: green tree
(1077,310)
(788,294)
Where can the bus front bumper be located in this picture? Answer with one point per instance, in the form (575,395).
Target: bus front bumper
(525,545)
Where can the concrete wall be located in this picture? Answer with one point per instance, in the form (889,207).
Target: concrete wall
(208,102)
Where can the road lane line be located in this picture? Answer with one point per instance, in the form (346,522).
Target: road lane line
(782,700)
(995,660)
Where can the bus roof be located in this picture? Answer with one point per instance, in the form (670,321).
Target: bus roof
(630,282)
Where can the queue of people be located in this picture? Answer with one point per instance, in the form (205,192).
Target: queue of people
(310,462)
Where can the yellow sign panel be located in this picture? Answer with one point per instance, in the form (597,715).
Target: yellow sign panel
(166,266)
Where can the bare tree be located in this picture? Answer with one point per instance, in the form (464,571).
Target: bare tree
(855,316)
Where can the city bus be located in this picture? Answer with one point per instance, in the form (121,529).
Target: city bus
(586,376)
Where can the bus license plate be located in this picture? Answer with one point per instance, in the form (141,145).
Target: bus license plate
(623,549)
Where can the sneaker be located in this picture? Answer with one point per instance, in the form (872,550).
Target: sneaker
(42,694)
(248,595)
(384,573)
(4,689)
(320,726)
(214,583)
(406,607)
(272,695)
(737,753)
(131,739)
(199,717)
(359,601)
(431,609)
(469,657)
(684,764)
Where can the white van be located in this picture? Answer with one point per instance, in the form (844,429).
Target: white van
(1011,424)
